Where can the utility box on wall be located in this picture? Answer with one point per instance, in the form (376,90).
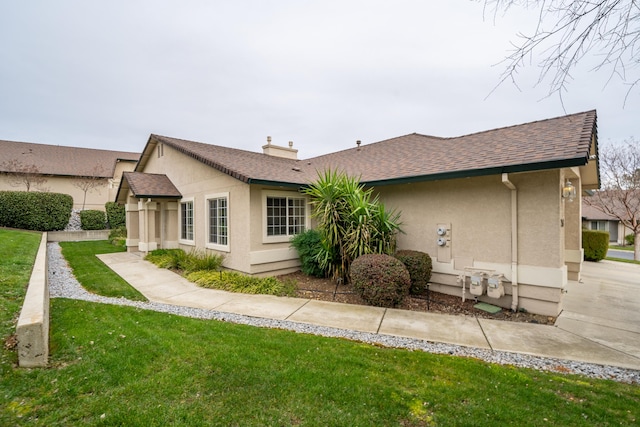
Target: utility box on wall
(443,242)
(476,286)
(495,288)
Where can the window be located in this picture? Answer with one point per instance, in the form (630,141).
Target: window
(218,221)
(600,225)
(186,220)
(285,217)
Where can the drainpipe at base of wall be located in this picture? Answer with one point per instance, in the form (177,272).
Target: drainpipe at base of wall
(514,240)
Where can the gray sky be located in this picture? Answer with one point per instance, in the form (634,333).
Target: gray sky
(321,73)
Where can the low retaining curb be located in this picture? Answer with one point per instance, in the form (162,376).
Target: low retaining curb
(78,236)
(32,331)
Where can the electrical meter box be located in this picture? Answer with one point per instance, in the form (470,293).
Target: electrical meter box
(477,283)
(495,288)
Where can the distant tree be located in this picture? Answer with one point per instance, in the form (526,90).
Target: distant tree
(568,30)
(21,174)
(91,180)
(620,186)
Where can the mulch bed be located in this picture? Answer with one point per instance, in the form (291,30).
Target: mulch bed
(328,290)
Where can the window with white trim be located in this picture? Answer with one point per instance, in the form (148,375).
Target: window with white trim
(218,221)
(186,220)
(284,215)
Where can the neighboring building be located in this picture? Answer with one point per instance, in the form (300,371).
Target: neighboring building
(90,176)
(594,219)
(490,201)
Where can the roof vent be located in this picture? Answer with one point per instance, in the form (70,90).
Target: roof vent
(358,142)
(277,151)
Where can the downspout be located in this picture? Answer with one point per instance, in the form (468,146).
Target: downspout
(514,240)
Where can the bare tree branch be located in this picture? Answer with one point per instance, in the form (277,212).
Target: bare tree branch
(21,174)
(91,180)
(567,31)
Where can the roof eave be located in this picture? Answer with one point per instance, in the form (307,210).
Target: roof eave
(470,173)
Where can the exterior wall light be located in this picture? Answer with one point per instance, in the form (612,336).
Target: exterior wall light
(568,191)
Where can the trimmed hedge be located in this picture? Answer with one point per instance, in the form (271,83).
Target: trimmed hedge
(28,210)
(595,244)
(93,220)
(116,216)
(419,266)
(380,279)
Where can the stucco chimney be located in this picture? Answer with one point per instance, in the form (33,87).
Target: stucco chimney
(277,151)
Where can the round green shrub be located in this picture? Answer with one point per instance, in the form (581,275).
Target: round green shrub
(93,220)
(630,239)
(419,266)
(381,280)
(595,244)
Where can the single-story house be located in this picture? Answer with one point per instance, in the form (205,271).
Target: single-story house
(90,176)
(595,219)
(494,209)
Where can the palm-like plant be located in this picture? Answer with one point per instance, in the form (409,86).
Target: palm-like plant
(350,220)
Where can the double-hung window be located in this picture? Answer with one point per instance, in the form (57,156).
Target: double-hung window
(218,221)
(186,221)
(285,216)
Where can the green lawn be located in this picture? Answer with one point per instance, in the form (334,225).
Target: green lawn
(93,274)
(114,365)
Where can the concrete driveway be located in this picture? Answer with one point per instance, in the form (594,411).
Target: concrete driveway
(605,306)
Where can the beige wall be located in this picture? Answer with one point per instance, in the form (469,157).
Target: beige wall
(105,190)
(478,211)
(96,198)
(247,251)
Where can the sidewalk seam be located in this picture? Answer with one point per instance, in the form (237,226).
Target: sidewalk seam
(296,310)
(384,313)
(486,338)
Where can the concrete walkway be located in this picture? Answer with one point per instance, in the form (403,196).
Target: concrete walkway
(594,328)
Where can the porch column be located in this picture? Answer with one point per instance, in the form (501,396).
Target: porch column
(171,225)
(133,226)
(573,252)
(147,221)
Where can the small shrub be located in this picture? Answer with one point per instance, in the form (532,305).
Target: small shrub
(237,282)
(202,260)
(595,244)
(118,236)
(380,280)
(309,245)
(419,266)
(93,220)
(116,216)
(630,239)
(177,259)
(28,210)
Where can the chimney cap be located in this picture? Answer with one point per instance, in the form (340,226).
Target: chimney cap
(269,140)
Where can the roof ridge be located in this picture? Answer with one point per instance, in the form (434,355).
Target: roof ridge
(69,147)
(593,111)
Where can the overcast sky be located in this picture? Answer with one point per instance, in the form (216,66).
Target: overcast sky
(320,73)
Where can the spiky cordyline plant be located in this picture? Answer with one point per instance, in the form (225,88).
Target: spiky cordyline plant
(352,222)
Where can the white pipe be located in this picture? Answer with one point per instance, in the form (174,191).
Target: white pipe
(514,240)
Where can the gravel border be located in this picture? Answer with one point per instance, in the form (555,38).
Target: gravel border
(63,284)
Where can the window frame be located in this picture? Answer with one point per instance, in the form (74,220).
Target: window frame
(183,240)
(207,201)
(282,238)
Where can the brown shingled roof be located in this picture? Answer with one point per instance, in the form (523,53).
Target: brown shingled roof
(64,161)
(149,185)
(546,144)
